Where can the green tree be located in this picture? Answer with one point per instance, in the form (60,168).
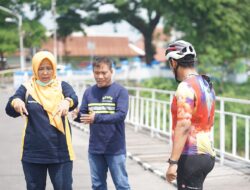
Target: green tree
(217,28)
(8,37)
(9,42)
(34,32)
(126,10)
(66,25)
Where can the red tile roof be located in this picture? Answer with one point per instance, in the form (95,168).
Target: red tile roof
(103,46)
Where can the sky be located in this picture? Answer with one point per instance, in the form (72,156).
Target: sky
(122,29)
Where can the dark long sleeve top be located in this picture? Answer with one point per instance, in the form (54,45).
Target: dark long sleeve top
(43,143)
(110,104)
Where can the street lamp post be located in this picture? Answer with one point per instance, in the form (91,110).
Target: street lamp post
(53,10)
(20,32)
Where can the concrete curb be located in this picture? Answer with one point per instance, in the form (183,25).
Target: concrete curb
(145,165)
(148,167)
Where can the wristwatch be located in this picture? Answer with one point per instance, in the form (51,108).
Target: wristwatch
(172,162)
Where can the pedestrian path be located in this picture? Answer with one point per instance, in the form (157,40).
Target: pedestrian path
(146,161)
(11,175)
(151,154)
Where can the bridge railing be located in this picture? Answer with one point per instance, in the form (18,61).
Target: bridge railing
(150,109)
(230,133)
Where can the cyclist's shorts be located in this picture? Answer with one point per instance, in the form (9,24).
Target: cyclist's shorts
(192,171)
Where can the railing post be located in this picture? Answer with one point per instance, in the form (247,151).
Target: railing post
(142,112)
(147,113)
(132,107)
(222,131)
(129,108)
(158,119)
(247,140)
(164,116)
(153,113)
(137,109)
(234,135)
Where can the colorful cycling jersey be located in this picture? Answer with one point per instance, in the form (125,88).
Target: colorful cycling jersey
(195,101)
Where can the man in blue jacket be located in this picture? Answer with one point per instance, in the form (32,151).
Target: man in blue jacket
(104,107)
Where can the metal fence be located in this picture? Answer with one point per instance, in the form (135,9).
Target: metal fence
(150,109)
(230,133)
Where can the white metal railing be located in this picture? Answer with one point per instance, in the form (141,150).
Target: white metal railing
(231,128)
(150,109)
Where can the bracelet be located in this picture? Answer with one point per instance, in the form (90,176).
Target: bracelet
(172,162)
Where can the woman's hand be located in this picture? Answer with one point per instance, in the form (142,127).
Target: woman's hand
(74,113)
(19,106)
(63,108)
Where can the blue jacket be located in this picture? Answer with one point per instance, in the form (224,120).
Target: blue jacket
(110,104)
(43,143)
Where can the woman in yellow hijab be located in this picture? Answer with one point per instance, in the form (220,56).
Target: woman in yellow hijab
(46,145)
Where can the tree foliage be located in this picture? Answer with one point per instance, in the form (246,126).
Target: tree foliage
(144,15)
(217,28)
(8,31)
(33,31)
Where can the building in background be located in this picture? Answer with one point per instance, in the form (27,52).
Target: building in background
(81,49)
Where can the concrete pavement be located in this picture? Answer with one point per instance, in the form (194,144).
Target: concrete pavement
(146,161)
(11,175)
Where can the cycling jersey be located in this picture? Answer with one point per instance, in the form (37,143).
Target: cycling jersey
(195,101)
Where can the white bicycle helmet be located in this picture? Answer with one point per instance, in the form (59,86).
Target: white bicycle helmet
(179,49)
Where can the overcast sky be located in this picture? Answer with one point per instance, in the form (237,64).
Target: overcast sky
(123,29)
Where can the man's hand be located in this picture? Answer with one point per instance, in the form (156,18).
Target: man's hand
(19,106)
(87,118)
(171,173)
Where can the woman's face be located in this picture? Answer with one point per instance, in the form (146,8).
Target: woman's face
(45,71)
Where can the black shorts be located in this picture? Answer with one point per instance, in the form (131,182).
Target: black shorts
(192,171)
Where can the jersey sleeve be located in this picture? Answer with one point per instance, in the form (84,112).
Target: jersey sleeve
(185,97)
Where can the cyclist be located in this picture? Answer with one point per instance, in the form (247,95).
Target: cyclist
(192,156)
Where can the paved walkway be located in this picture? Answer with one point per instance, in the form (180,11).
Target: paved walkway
(11,175)
(146,161)
(152,154)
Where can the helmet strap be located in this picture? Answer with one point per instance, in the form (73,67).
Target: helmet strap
(175,73)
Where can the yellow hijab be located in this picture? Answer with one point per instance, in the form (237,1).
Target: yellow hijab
(48,96)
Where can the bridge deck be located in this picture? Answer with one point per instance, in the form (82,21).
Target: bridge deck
(152,153)
(146,163)
(11,174)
